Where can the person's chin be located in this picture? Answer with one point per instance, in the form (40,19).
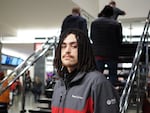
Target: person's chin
(67,64)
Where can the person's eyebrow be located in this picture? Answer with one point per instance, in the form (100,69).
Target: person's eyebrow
(73,42)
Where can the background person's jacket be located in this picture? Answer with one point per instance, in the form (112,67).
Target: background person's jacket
(106,35)
(117,12)
(86,93)
(73,21)
(4,97)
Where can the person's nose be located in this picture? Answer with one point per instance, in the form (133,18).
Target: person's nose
(68,49)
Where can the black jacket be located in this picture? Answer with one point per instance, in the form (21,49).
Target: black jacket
(117,12)
(106,35)
(72,21)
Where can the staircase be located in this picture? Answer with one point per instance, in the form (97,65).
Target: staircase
(126,56)
(134,88)
(46,100)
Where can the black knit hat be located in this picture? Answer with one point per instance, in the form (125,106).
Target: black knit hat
(107,11)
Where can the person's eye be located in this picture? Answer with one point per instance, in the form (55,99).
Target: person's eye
(74,45)
(63,46)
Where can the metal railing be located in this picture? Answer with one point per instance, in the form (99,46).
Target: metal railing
(124,99)
(25,65)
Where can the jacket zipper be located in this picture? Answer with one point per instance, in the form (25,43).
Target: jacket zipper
(60,103)
(64,100)
(67,88)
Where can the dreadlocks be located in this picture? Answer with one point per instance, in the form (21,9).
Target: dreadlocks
(86,61)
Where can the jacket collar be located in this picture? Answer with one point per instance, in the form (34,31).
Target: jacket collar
(78,76)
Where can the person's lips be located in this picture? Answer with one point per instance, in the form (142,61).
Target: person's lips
(67,56)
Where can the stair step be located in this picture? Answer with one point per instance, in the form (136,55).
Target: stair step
(41,108)
(39,111)
(45,100)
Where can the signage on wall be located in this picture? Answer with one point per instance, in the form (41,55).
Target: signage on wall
(10,60)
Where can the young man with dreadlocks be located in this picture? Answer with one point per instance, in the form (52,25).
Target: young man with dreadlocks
(80,88)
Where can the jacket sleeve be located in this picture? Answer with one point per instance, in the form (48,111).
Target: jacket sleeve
(85,29)
(105,97)
(91,33)
(120,35)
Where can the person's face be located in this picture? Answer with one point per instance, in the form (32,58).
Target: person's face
(69,52)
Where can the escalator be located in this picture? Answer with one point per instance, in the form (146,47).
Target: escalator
(135,71)
(26,65)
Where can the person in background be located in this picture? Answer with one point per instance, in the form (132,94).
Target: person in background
(15,89)
(75,20)
(18,87)
(12,92)
(49,79)
(106,35)
(28,81)
(80,87)
(37,88)
(116,10)
(4,97)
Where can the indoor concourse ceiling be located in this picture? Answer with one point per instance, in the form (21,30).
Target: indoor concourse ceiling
(46,14)
(29,14)
(34,14)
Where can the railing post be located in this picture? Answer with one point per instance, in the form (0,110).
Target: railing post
(138,89)
(23,94)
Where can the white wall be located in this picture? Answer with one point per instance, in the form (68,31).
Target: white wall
(34,14)
(18,50)
(91,6)
(133,8)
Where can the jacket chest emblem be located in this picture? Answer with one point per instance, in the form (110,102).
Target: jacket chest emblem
(77,97)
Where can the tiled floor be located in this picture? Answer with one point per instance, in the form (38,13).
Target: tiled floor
(17,106)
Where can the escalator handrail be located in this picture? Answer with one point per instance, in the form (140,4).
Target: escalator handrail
(127,89)
(24,66)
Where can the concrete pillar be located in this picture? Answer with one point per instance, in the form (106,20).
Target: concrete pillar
(39,70)
(0,55)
